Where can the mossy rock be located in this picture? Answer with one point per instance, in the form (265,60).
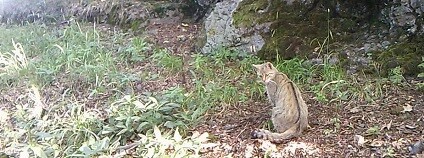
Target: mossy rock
(297,29)
(246,14)
(291,34)
(406,54)
(284,39)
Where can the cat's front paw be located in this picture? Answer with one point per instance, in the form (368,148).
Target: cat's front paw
(257,134)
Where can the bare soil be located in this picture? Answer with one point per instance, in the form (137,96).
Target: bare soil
(383,128)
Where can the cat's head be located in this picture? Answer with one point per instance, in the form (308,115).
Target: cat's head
(265,71)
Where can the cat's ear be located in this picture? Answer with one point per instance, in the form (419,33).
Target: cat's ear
(269,65)
(256,66)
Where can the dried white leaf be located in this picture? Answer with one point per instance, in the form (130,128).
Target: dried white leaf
(400,143)
(4,116)
(304,148)
(24,154)
(37,112)
(377,143)
(177,136)
(407,108)
(360,140)
(139,105)
(387,126)
(410,127)
(204,137)
(157,133)
(354,110)
(249,151)
(195,135)
(267,146)
(209,145)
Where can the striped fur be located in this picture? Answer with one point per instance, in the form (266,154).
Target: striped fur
(289,112)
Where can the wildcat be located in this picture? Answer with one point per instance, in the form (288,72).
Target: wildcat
(289,110)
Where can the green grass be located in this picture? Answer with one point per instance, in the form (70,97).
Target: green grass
(75,92)
(72,86)
(84,74)
(329,83)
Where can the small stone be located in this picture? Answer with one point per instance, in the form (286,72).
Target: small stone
(367,47)
(385,44)
(416,148)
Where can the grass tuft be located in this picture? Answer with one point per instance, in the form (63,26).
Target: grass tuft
(85,92)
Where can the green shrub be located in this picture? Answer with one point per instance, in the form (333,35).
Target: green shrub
(396,75)
(167,60)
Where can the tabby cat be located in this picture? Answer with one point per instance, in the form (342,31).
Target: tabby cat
(289,112)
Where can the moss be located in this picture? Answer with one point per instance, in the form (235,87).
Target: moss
(291,33)
(282,39)
(245,15)
(405,54)
(347,25)
(161,7)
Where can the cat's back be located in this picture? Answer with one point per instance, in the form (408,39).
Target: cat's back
(290,107)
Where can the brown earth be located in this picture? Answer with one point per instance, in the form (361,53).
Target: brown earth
(384,128)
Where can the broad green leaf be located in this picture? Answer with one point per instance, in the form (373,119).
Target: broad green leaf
(169,124)
(155,103)
(38,151)
(127,98)
(128,122)
(86,150)
(120,125)
(158,115)
(107,129)
(43,135)
(102,144)
(122,131)
(141,126)
(91,140)
(105,142)
(120,118)
(136,118)
(166,108)
(174,105)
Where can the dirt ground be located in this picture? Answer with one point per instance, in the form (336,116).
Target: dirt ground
(384,128)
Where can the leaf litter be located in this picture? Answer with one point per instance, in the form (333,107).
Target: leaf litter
(401,133)
(230,127)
